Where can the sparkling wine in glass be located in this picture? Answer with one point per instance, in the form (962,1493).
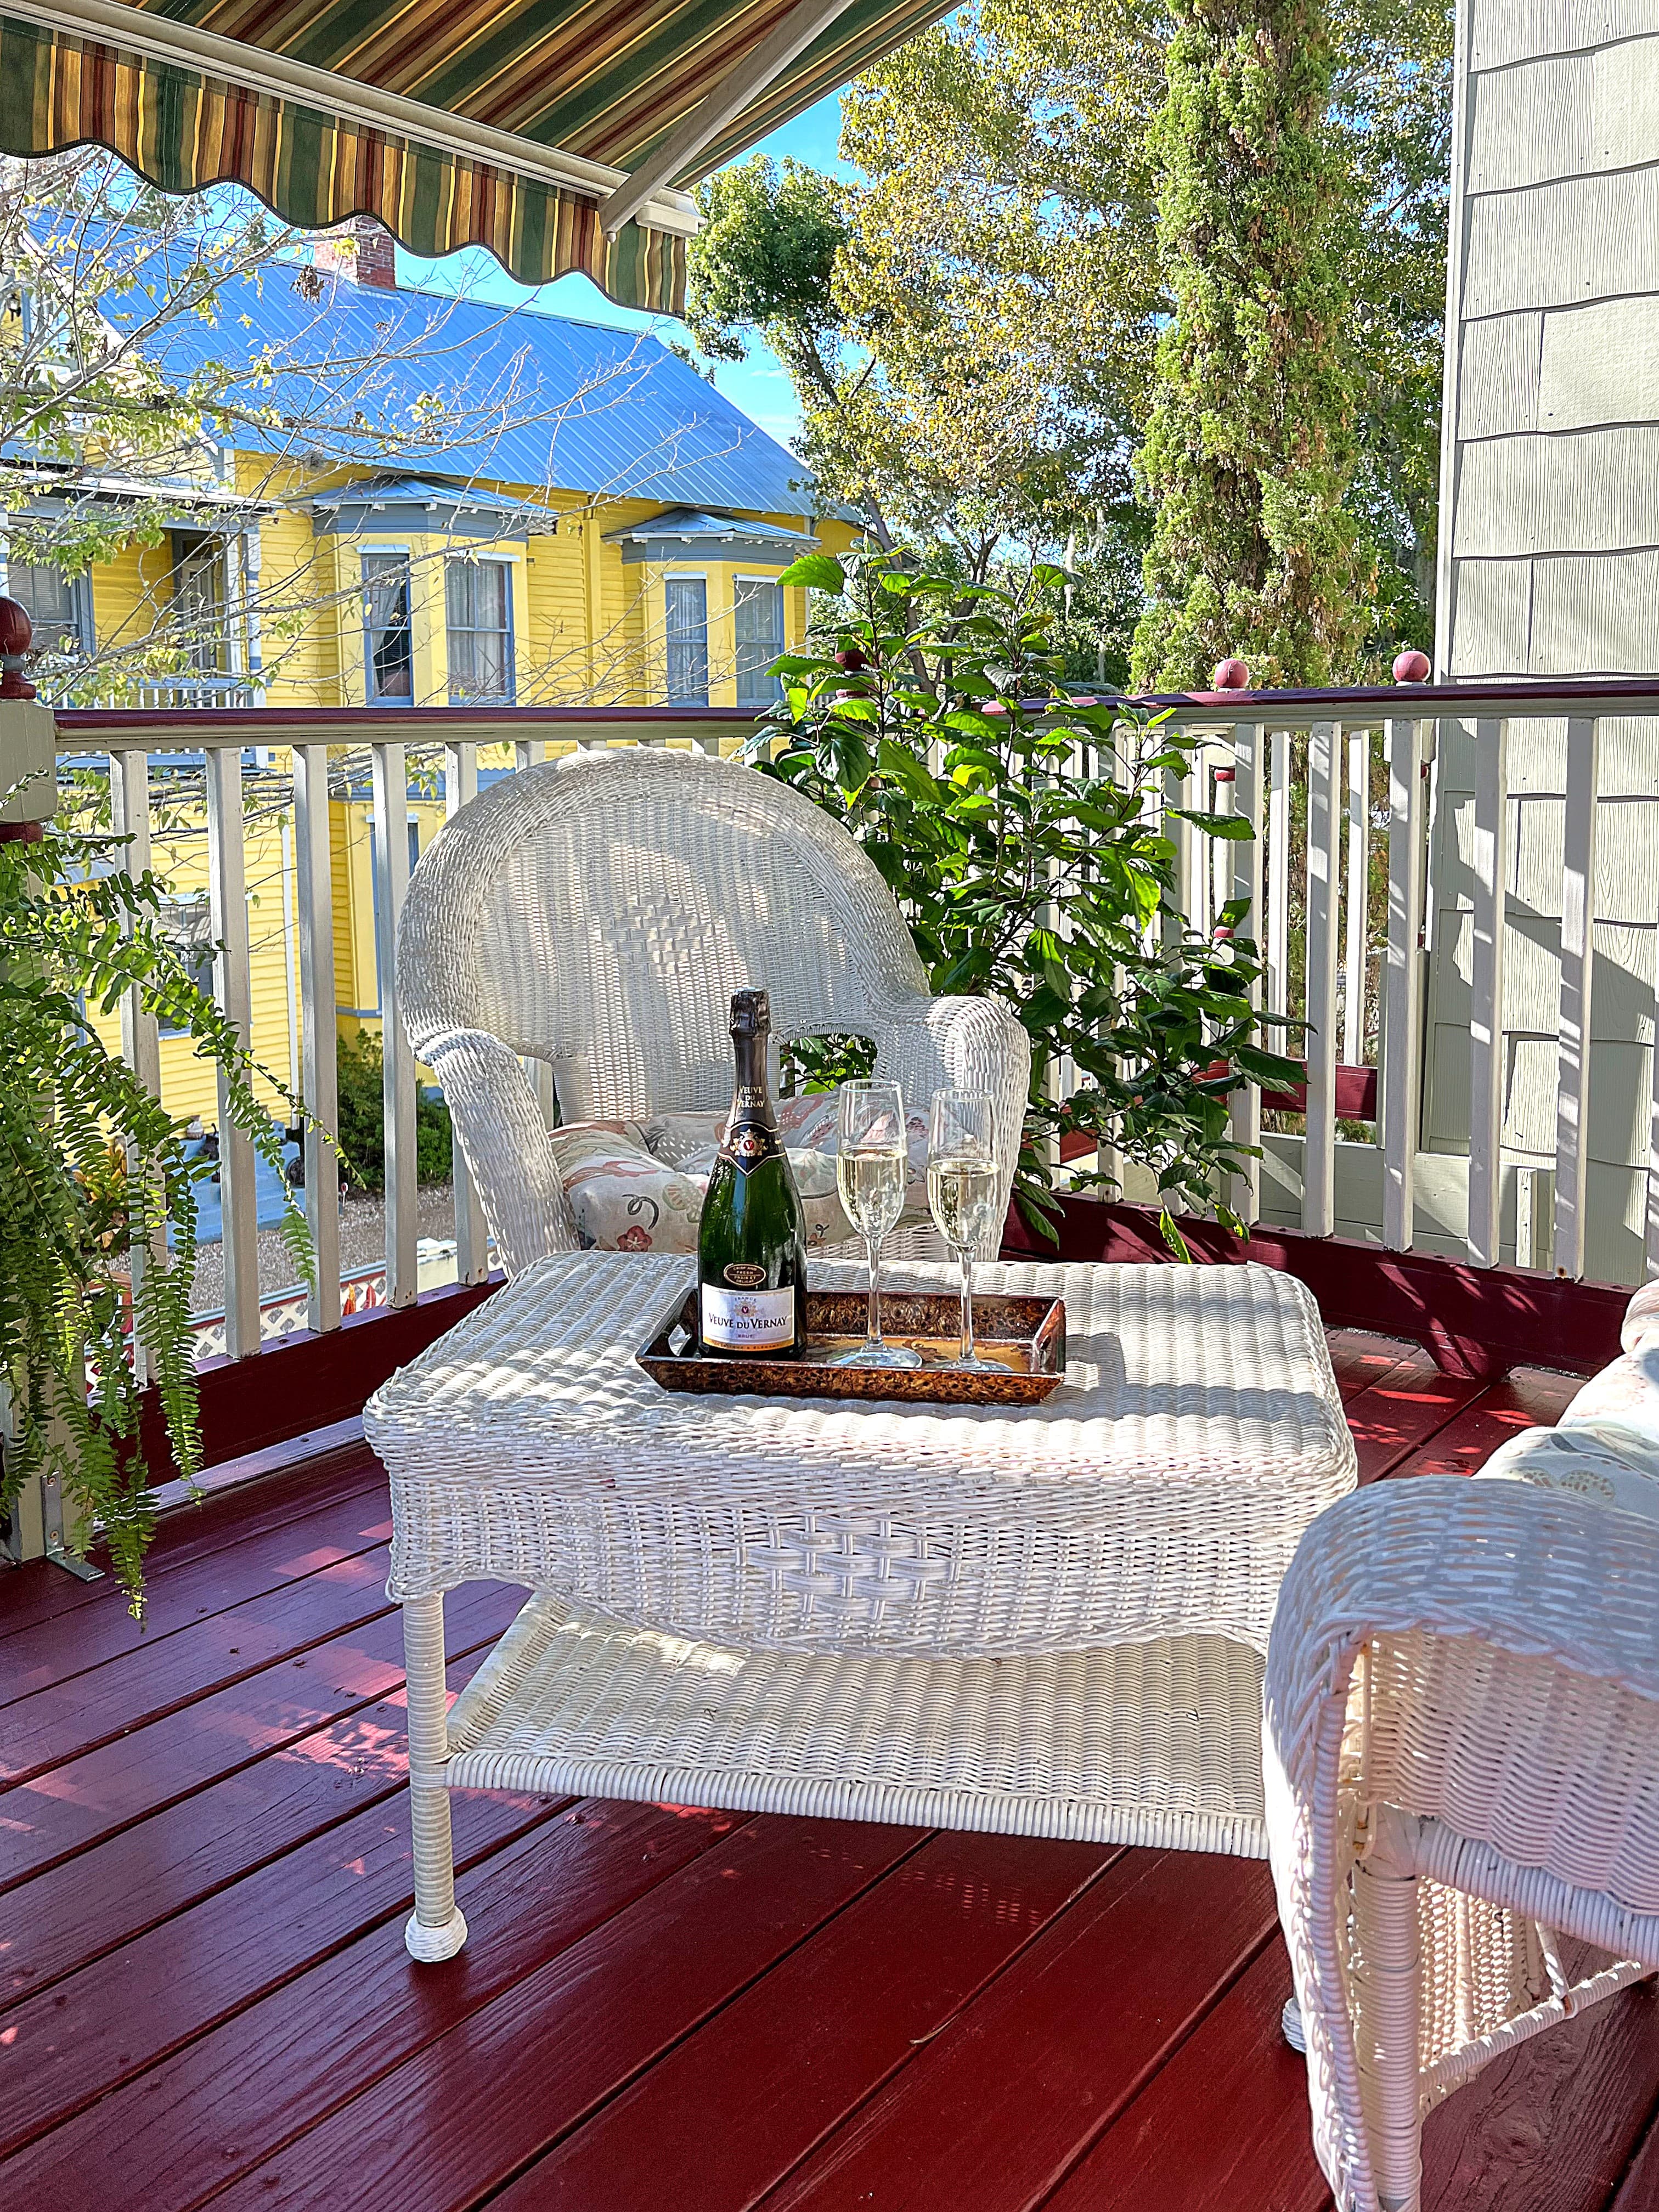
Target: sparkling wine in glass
(962,1192)
(870,1174)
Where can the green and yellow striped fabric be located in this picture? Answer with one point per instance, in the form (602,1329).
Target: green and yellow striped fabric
(604,79)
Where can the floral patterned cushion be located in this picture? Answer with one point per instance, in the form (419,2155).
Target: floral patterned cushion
(809,1126)
(622,1198)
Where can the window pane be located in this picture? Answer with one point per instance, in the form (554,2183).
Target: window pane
(477,603)
(687,641)
(198,600)
(49,596)
(388,648)
(759,609)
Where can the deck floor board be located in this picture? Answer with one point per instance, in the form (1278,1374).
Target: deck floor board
(204,1999)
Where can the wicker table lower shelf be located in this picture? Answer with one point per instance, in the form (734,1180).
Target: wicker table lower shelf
(1148,1743)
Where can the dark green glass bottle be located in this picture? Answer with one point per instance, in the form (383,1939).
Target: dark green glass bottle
(751,1244)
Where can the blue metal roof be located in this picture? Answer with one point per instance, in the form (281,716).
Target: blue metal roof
(477,391)
(692,522)
(424,491)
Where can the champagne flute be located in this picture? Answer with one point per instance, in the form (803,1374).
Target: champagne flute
(869,1173)
(962,1192)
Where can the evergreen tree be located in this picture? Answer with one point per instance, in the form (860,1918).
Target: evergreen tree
(1251,446)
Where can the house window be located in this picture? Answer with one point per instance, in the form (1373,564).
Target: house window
(55,604)
(184,923)
(760,640)
(388,646)
(478,606)
(198,600)
(688,641)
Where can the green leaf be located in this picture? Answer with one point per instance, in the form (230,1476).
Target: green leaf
(1235,828)
(913,775)
(818,572)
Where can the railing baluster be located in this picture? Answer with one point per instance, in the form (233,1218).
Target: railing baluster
(528,752)
(1355,902)
(1277,936)
(1491,872)
(239,1202)
(1180,834)
(471,1238)
(1324,846)
(140,1048)
(391,858)
(314,899)
(1402,984)
(1578,981)
(1247,884)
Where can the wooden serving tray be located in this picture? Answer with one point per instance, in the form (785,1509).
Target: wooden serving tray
(1027,1334)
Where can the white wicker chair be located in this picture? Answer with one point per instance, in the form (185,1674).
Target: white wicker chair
(1461,1753)
(597,912)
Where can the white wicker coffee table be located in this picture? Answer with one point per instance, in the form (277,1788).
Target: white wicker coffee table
(1048,1620)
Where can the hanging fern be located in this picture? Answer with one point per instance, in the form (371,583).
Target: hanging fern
(93,1173)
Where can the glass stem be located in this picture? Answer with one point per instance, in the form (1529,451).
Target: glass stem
(968,1301)
(873,1320)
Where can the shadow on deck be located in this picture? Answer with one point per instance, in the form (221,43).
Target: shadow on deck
(205,1995)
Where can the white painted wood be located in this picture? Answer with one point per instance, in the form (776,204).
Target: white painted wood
(529,752)
(1497,391)
(1178,792)
(743,83)
(1401,984)
(1490,617)
(1587,238)
(391,779)
(1505,31)
(1276,934)
(1595,364)
(1578,984)
(1324,847)
(1596,613)
(314,901)
(1247,881)
(1355,932)
(472,1237)
(1490,872)
(129,797)
(1568,491)
(228,906)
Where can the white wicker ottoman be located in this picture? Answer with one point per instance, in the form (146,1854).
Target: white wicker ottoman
(1048,1620)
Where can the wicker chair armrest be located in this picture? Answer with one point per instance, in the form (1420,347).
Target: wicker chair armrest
(961,1044)
(505,1141)
(1534,1579)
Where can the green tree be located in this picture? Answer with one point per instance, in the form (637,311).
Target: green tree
(1251,448)
(974,355)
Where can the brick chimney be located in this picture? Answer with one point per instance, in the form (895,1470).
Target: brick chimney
(362,250)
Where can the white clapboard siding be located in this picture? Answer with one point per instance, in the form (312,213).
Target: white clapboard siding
(1506,31)
(1550,566)
(1564,115)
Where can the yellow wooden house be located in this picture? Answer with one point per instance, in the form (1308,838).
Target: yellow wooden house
(576,519)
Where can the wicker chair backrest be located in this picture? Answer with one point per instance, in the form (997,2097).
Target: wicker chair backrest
(599,912)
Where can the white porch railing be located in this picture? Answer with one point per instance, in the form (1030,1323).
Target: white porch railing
(1307,875)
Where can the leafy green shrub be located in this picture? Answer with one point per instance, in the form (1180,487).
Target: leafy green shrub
(1023,837)
(93,1172)
(362,1120)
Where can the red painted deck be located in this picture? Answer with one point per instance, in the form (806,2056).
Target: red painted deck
(204,1996)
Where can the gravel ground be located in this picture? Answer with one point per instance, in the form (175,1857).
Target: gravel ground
(362,1244)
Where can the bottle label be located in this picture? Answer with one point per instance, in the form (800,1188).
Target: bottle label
(748,1320)
(747,1144)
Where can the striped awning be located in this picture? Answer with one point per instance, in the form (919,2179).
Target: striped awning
(521,125)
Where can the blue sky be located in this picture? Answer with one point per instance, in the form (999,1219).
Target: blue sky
(759,385)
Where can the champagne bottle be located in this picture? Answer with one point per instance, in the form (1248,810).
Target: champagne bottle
(751,1242)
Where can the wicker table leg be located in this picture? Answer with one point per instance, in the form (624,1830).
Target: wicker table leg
(435,1928)
(1386,1993)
